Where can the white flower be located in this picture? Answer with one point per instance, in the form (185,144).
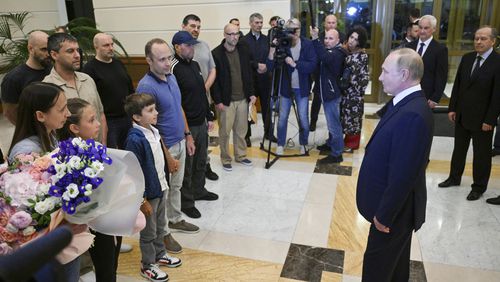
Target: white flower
(77,142)
(28,230)
(43,189)
(89,172)
(60,170)
(41,207)
(52,202)
(72,190)
(11,228)
(66,196)
(87,193)
(88,187)
(75,162)
(97,167)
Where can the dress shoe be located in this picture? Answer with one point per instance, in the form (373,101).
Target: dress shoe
(473,195)
(331,160)
(495,152)
(249,143)
(272,139)
(192,212)
(493,201)
(208,197)
(324,147)
(312,127)
(209,174)
(447,183)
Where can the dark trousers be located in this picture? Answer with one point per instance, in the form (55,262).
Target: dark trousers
(262,88)
(387,255)
(481,163)
(193,184)
(496,141)
(117,131)
(104,255)
(315,107)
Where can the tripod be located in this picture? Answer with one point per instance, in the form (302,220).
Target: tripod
(274,103)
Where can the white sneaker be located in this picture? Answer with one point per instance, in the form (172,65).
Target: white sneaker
(279,151)
(153,273)
(303,150)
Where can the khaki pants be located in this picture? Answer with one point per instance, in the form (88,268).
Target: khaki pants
(235,118)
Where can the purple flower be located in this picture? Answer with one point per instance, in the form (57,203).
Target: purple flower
(20,219)
(5,249)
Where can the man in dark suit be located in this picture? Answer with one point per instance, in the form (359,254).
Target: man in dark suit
(391,191)
(435,57)
(474,108)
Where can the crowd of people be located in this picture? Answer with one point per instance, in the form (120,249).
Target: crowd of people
(166,123)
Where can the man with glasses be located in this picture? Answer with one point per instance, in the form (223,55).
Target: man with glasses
(231,92)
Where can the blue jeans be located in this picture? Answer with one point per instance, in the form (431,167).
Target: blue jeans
(303,112)
(332,115)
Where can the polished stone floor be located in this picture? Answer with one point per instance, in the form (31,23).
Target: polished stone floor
(297,221)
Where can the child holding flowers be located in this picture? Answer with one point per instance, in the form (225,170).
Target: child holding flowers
(145,142)
(84,123)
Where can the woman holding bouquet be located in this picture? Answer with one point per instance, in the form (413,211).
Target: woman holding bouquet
(42,110)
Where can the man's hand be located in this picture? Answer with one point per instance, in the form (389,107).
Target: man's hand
(314,32)
(173,165)
(380,227)
(487,127)
(220,107)
(452,116)
(253,99)
(146,208)
(262,68)
(290,62)
(190,145)
(431,104)
(210,126)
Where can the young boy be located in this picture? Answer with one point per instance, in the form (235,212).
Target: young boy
(145,142)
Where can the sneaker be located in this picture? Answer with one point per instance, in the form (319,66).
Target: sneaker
(331,160)
(169,261)
(209,174)
(171,245)
(303,150)
(184,227)
(324,147)
(125,248)
(227,167)
(279,151)
(153,273)
(245,161)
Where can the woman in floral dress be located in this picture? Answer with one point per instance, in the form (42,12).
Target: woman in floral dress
(352,103)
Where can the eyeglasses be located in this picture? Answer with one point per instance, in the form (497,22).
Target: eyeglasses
(232,34)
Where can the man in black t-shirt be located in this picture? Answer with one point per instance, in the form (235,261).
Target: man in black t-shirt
(113,84)
(35,69)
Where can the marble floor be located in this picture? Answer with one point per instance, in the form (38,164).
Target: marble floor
(297,221)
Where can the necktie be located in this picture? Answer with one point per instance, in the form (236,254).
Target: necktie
(477,65)
(421,49)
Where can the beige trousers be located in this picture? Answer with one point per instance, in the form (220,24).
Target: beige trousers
(235,118)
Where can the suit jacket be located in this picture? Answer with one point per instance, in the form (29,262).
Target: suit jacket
(435,69)
(476,99)
(393,170)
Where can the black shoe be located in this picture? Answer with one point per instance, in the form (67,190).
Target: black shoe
(495,152)
(331,160)
(324,147)
(493,201)
(208,197)
(209,174)
(473,195)
(312,127)
(249,143)
(447,183)
(272,139)
(192,212)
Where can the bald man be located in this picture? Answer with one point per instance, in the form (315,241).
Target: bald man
(113,84)
(35,69)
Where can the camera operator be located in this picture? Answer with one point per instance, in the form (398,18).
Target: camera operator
(299,62)
(331,57)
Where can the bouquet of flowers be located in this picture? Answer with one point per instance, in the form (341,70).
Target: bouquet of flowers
(33,187)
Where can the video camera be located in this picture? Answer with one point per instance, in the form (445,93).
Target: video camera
(281,37)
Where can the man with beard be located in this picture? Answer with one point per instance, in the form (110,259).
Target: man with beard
(64,51)
(114,85)
(35,69)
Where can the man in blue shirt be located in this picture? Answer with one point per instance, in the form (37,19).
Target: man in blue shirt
(173,127)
